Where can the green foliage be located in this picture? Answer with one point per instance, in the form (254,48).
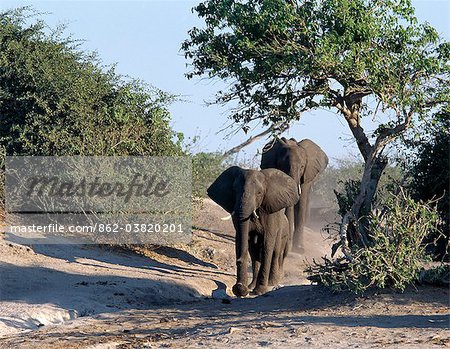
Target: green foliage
(282,57)
(337,187)
(396,253)
(206,167)
(439,276)
(58,100)
(346,198)
(389,183)
(429,170)
(333,178)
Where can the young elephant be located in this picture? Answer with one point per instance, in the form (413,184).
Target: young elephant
(256,201)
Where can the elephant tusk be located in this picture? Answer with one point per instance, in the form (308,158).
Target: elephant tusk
(255,215)
(227,218)
(299,190)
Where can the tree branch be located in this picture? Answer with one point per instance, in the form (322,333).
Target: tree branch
(279,128)
(388,134)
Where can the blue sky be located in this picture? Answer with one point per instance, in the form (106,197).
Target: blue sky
(144,38)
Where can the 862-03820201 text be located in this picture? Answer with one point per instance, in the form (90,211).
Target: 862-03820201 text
(141,228)
(101,228)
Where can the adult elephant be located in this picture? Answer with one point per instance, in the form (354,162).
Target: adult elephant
(256,201)
(303,161)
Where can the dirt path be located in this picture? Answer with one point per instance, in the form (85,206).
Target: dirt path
(62,296)
(290,317)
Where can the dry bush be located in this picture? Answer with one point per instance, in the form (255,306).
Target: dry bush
(396,252)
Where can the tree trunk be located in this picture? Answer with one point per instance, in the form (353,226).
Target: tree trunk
(358,226)
(354,227)
(377,170)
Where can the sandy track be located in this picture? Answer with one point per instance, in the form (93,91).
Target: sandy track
(85,296)
(290,317)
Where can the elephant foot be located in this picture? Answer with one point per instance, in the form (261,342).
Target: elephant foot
(259,290)
(240,290)
(277,287)
(274,281)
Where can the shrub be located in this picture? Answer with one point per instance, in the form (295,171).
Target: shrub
(56,99)
(336,187)
(438,276)
(429,169)
(393,258)
(206,167)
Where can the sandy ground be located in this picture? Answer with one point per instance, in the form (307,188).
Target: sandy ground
(65,296)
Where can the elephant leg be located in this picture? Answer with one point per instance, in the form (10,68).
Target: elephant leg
(307,206)
(275,270)
(283,254)
(286,247)
(301,213)
(262,285)
(256,269)
(255,254)
(291,219)
(297,238)
(280,251)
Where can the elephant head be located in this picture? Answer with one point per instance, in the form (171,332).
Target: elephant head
(303,161)
(250,195)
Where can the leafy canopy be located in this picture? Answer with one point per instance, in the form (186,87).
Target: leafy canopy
(283,57)
(56,99)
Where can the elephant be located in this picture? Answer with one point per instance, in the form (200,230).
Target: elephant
(256,200)
(303,161)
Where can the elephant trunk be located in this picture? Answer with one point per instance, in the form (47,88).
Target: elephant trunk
(240,289)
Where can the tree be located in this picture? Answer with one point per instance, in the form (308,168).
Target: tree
(56,99)
(360,58)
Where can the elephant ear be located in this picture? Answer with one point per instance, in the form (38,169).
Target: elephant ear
(221,191)
(316,160)
(281,191)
